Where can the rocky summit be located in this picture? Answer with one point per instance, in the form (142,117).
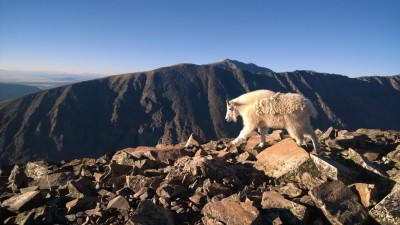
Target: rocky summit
(353,179)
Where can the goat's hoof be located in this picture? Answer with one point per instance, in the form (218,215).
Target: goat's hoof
(314,152)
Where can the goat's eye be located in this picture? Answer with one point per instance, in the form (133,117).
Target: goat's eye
(230,108)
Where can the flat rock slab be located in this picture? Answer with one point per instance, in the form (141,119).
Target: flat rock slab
(118,202)
(81,204)
(281,158)
(290,212)
(387,211)
(339,204)
(365,163)
(230,212)
(23,202)
(333,169)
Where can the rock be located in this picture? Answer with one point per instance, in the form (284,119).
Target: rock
(290,190)
(349,141)
(310,181)
(170,191)
(253,141)
(23,202)
(281,158)
(333,169)
(142,194)
(394,174)
(200,152)
(145,164)
(189,170)
(330,133)
(17,178)
(394,155)
(230,212)
(244,157)
(123,158)
(36,170)
(387,211)
(45,215)
(274,137)
(81,187)
(119,203)
(198,198)
(173,184)
(150,214)
(215,188)
(338,203)
(364,163)
(53,181)
(290,212)
(367,192)
(25,218)
(191,142)
(29,189)
(136,183)
(371,156)
(80,204)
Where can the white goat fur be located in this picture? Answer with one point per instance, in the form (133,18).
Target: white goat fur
(265,109)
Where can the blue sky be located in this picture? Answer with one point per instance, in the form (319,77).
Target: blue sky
(353,38)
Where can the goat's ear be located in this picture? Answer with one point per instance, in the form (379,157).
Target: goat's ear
(227,101)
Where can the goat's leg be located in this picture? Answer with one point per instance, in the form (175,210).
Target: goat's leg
(296,134)
(244,134)
(263,132)
(314,138)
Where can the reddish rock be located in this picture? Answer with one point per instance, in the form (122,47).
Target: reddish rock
(198,198)
(118,202)
(80,204)
(150,214)
(272,200)
(367,192)
(281,158)
(170,190)
(253,141)
(290,190)
(191,142)
(230,212)
(200,152)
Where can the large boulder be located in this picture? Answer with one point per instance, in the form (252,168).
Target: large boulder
(387,211)
(228,211)
(338,203)
(281,158)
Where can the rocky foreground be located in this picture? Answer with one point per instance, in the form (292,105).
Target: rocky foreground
(351,180)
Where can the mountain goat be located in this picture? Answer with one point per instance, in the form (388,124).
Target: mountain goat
(265,109)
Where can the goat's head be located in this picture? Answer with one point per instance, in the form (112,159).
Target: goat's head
(231,111)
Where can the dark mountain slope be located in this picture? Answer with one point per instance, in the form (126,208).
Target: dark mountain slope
(92,118)
(11,91)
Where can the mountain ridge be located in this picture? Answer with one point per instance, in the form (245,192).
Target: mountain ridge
(166,105)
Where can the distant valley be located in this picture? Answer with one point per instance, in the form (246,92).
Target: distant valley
(26,82)
(166,105)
